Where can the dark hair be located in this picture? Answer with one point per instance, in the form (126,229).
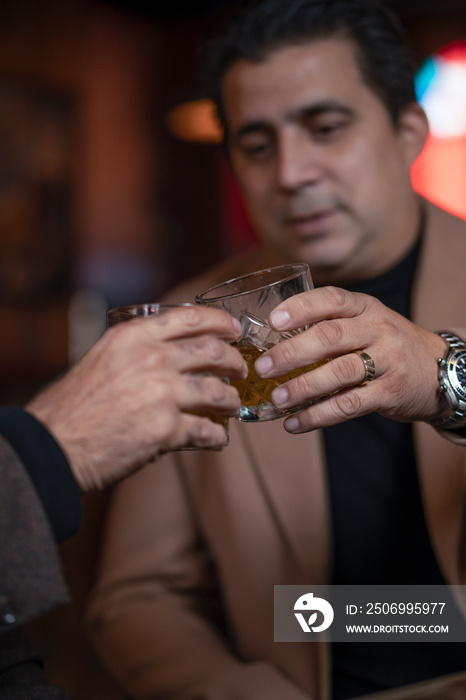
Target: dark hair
(262,26)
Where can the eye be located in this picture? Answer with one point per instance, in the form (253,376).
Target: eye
(328,128)
(256,146)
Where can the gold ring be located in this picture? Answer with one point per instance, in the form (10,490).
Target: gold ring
(369,366)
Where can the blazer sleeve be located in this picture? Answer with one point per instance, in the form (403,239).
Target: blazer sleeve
(31,580)
(149,616)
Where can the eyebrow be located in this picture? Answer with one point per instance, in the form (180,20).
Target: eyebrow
(295,115)
(320,108)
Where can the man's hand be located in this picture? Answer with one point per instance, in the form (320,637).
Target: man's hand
(405,387)
(132,396)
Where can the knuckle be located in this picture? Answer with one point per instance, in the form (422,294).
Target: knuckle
(348,404)
(390,328)
(161,393)
(372,302)
(330,333)
(349,303)
(218,391)
(196,384)
(285,351)
(208,389)
(339,297)
(208,347)
(349,368)
(300,385)
(158,358)
(191,315)
(214,347)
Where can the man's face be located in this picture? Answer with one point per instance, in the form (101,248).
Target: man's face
(323,170)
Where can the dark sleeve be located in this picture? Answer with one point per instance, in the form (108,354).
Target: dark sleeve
(22,674)
(48,469)
(31,578)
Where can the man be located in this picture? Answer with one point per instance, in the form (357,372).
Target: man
(124,403)
(321,129)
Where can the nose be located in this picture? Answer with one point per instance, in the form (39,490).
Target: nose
(298,162)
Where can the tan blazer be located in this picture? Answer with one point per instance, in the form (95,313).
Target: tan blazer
(254,515)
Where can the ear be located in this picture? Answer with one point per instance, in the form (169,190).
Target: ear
(413,130)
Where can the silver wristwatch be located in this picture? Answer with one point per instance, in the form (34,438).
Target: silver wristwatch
(452,378)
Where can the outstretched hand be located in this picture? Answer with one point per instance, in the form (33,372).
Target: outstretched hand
(131,397)
(405,386)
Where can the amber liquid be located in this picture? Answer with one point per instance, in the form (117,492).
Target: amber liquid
(255,391)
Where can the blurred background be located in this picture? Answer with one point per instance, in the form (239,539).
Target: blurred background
(110,194)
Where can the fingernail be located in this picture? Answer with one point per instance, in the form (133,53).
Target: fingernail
(280,396)
(292,425)
(263,365)
(280,319)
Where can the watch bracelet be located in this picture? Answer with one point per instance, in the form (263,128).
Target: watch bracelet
(457,417)
(453,341)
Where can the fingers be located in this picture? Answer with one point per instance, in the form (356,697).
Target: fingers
(200,406)
(328,339)
(206,394)
(345,371)
(200,432)
(343,406)
(395,375)
(317,305)
(188,321)
(323,385)
(342,322)
(354,322)
(206,354)
(167,405)
(190,339)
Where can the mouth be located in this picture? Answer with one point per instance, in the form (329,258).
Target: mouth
(310,224)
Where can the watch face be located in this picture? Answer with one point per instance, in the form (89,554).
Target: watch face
(457,372)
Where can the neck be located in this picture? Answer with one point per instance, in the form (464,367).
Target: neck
(395,249)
